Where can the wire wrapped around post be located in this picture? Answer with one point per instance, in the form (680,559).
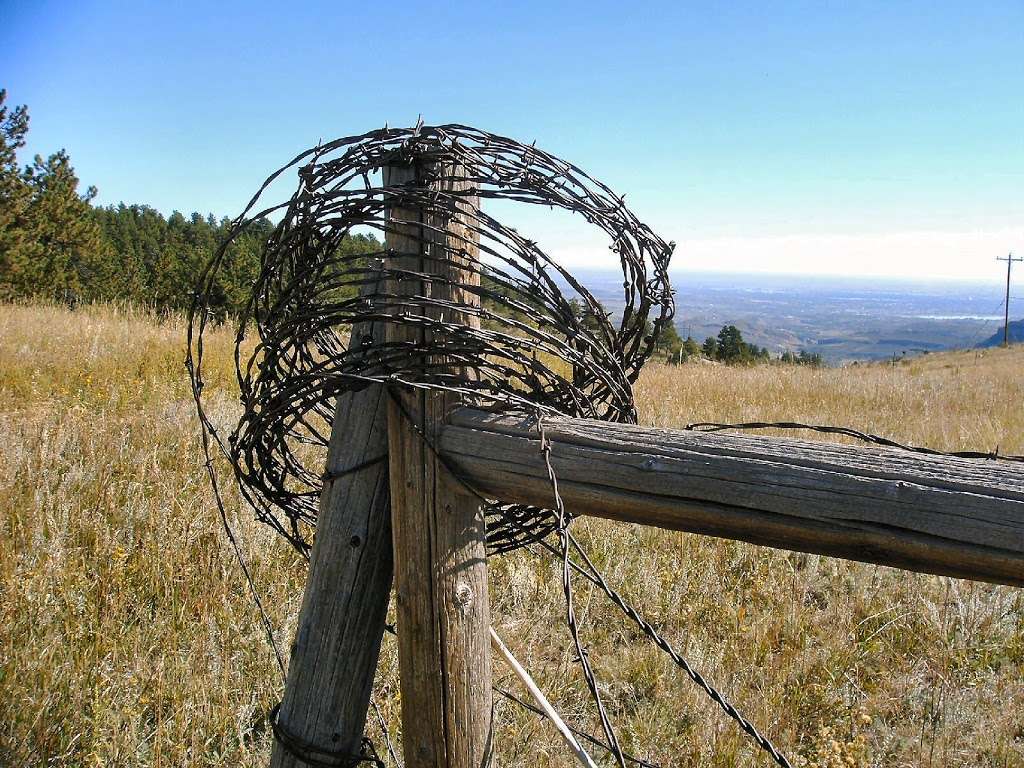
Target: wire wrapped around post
(544,342)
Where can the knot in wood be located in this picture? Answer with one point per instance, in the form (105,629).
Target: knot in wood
(463,595)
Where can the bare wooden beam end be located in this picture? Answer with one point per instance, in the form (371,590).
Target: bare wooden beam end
(933,514)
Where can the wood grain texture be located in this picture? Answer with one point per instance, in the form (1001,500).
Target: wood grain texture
(955,517)
(344,607)
(439,535)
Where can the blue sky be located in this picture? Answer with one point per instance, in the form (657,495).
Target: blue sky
(882,138)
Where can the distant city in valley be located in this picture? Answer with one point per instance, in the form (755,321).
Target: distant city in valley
(841,318)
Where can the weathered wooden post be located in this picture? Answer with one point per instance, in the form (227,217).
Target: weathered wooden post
(438,529)
(337,641)
(439,539)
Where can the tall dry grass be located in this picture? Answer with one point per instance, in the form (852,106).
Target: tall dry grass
(949,401)
(128,636)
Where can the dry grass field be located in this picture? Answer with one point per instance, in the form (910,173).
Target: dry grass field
(127,636)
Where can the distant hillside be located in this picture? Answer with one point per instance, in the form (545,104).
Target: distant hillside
(1016,335)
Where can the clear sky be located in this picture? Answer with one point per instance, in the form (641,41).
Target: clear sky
(882,138)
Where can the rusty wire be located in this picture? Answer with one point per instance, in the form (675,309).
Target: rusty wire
(531,310)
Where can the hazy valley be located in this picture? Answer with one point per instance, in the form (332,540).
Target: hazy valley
(843,319)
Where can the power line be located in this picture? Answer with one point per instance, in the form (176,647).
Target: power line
(984,324)
(1009,259)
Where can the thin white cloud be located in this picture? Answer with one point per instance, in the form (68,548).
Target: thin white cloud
(921,254)
(918,254)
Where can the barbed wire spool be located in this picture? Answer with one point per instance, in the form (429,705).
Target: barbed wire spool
(545,342)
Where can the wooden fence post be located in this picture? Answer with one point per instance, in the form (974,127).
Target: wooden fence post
(438,529)
(337,641)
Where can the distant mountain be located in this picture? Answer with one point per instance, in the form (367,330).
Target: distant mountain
(1016,335)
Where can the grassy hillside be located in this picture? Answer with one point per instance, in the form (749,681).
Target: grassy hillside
(128,637)
(1016,334)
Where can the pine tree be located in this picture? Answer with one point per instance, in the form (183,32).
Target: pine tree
(812,359)
(731,348)
(690,347)
(587,315)
(15,194)
(669,343)
(63,254)
(710,348)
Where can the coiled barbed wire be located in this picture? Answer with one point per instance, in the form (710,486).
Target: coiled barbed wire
(542,340)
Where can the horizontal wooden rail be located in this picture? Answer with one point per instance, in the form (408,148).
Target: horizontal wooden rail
(949,516)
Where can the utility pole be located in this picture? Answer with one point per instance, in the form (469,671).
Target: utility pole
(1009,259)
